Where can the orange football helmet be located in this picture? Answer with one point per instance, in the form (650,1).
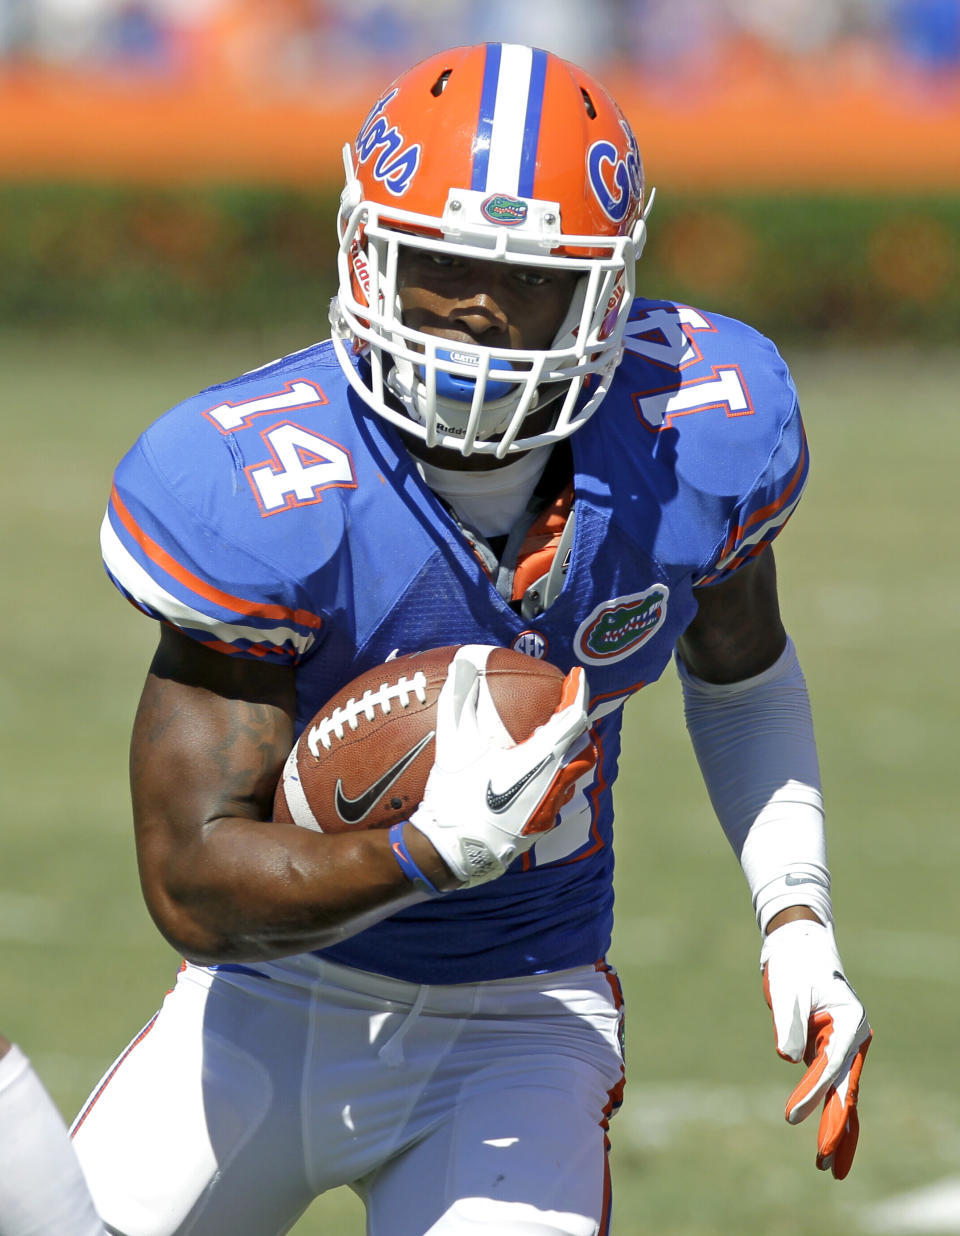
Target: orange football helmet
(496,152)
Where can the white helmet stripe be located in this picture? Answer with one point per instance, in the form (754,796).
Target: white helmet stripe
(505,152)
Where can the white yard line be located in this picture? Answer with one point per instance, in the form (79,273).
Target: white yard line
(933,1209)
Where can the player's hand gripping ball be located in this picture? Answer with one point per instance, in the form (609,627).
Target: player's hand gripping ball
(364,759)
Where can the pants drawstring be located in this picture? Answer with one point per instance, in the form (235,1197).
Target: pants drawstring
(392,1051)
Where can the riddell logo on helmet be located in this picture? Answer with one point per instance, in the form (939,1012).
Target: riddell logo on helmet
(507,211)
(611,313)
(396,163)
(358,264)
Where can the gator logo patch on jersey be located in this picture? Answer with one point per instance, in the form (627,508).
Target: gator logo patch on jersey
(617,628)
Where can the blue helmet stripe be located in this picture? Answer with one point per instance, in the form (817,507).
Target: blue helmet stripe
(531,124)
(488,99)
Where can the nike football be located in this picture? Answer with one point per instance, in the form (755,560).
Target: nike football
(364,759)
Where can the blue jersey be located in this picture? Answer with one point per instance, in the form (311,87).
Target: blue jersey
(276,517)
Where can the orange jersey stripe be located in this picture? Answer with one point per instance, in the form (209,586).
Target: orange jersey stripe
(250,609)
(767,512)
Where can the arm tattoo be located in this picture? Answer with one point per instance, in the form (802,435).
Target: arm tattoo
(233,744)
(249,752)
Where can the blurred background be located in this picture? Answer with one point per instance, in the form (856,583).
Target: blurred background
(179,159)
(169,171)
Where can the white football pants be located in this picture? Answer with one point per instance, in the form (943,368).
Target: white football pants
(467,1110)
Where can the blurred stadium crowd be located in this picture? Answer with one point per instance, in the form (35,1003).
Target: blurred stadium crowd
(295,45)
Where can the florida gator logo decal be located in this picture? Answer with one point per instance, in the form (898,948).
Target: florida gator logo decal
(507,211)
(617,628)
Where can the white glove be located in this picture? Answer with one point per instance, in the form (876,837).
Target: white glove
(817,1017)
(487,799)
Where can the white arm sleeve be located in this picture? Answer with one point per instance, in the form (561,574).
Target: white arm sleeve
(756,749)
(42,1189)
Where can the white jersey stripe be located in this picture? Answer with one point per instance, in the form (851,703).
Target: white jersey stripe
(760,533)
(510,109)
(144,589)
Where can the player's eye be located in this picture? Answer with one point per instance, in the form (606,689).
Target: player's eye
(424,263)
(530,277)
(444,260)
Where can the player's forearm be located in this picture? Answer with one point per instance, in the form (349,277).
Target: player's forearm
(248,890)
(222,881)
(755,745)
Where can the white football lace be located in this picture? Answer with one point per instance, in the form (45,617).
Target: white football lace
(327,728)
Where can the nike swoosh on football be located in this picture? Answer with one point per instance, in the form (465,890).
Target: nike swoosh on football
(498,803)
(353,810)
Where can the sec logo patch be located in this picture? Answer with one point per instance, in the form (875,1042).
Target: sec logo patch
(618,627)
(531,643)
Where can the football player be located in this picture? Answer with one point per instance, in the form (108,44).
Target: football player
(42,1189)
(499,445)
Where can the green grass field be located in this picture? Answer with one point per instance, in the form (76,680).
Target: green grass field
(700,1146)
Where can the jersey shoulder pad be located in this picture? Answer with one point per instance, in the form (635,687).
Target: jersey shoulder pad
(683,360)
(187,535)
(719,401)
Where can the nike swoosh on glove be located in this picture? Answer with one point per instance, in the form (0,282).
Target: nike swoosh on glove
(487,798)
(818,1017)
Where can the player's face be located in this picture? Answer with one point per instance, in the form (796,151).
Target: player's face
(490,303)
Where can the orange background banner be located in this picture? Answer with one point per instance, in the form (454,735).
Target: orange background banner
(756,134)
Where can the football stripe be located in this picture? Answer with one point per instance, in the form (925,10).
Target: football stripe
(297,803)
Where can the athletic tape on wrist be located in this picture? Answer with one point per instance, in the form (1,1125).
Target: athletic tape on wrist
(408,864)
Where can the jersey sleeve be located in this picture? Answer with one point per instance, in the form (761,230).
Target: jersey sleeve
(169,548)
(758,517)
